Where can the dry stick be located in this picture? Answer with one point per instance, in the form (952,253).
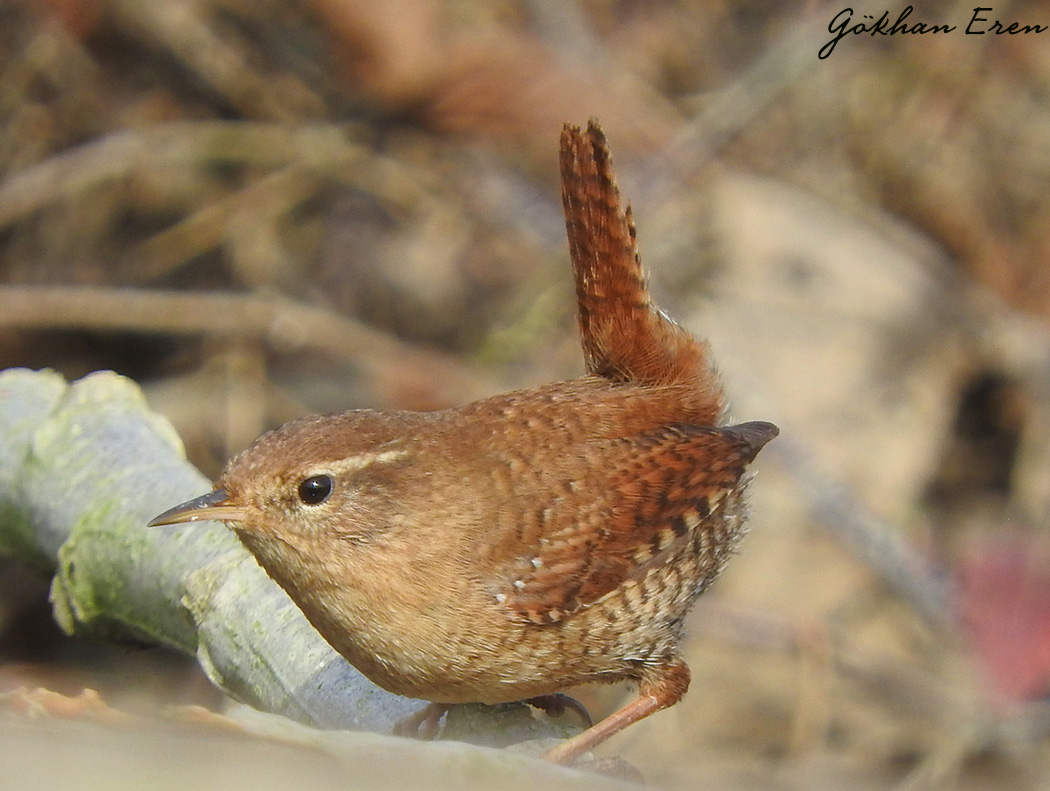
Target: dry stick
(874,541)
(728,112)
(324,148)
(184,30)
(282,323)
(966,723)
(207,226)
(896,682)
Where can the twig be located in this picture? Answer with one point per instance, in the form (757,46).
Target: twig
(874,541)
(283,324)
(728,112)
(323,148)
(183,29)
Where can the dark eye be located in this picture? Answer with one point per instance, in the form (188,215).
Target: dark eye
(315,489)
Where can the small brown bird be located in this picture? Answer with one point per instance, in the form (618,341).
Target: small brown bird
(524,543)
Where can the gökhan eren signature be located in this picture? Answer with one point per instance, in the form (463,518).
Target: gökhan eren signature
(843,25)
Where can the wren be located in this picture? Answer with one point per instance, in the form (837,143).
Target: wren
(524,543)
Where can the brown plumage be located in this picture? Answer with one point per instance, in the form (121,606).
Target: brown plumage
(524,543)
(625,337)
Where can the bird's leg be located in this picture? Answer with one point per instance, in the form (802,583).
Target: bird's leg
(662,686)
(423,724)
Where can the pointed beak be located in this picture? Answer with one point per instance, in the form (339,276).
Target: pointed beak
(213,505)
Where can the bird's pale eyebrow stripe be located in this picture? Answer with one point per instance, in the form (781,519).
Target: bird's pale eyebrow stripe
(356,463)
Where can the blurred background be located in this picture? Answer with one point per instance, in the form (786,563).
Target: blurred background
(265,209)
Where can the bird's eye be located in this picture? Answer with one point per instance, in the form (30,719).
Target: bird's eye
(315,489)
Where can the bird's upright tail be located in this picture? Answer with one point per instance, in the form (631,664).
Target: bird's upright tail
(625,337)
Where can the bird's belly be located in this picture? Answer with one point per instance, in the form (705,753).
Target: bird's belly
(498,662)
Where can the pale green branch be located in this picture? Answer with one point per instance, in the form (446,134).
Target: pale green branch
(83,467)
